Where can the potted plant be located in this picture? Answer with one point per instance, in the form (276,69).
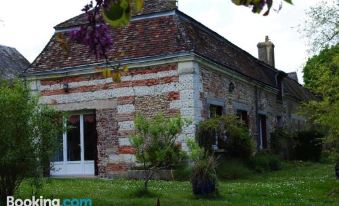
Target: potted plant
(204,178)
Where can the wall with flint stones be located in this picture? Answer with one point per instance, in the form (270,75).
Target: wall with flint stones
(169,89)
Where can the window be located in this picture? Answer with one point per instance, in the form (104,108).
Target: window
(243,116)
(77,154)
(279,122)
(216,110)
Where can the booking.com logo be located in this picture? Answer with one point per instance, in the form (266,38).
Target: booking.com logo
(11,201)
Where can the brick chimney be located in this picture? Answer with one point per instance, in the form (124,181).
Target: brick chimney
(153,6)
(266,51)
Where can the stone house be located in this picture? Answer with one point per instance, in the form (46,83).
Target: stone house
(176,66)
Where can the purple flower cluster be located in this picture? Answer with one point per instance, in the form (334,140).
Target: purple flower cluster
(95,34)
(98,38)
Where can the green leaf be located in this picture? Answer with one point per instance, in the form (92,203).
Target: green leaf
(139,5)
(118,13)
(289,1)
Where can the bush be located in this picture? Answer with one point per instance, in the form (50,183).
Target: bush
(282,144)
(233,169)
(156,145)
(302,145)
(232,136)
(28,140)
(182,172)
(264,161)
(309,145)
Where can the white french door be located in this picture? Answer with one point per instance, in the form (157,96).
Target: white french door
(77,154)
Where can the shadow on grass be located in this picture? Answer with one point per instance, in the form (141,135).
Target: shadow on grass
(216,196)
(143,193)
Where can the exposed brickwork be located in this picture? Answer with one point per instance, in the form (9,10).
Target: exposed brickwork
(148,82)
(125,117)
(127,150)
(173,96)
(116,168)
(108,142)
(99,75)
(125,100)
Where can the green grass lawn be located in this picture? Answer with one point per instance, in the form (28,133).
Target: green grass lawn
(298,184)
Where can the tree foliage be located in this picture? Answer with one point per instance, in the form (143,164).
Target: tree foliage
(321,72)
(156,143)
(28,134)
(321,27)
(322,77)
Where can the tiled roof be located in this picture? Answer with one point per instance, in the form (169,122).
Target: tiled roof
(164,35)
(150,6)
(12,63)
(141,38)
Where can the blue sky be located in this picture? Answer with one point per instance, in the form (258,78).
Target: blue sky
(28,25)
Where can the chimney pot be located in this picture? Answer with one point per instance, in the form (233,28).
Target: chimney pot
(266,51)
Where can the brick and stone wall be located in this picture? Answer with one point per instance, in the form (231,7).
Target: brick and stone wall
(147,91)
(216,88)
(185,88)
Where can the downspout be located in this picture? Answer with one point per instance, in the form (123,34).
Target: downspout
(257,121)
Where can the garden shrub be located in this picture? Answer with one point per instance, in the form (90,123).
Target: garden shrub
(232,136)
(182,172)
(282,144)
(233,169)
(264,161)
(309,145)
(28,132)
(204,176)
(156,144)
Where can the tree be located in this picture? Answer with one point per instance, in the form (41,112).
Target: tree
(320,68)
(321,28)
(321,75)
(156,143)
(28,134)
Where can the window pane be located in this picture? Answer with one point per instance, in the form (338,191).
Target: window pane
(243,116)
(73,139)
(90,137)
(215,110)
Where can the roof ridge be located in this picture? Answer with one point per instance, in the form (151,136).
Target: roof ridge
(1,45)
(78,20)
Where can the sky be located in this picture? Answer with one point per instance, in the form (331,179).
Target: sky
(28,25)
